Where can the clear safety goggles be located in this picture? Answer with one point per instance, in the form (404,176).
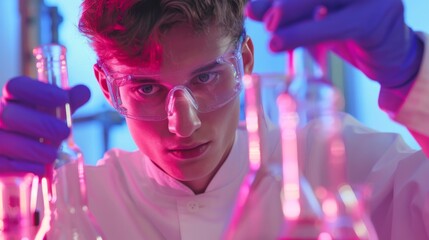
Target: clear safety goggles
(145,97)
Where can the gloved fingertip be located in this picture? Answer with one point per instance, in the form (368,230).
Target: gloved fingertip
(276,44)
(256,9)
(62,134)
(272,19)
(79,95)
(14,167)
(40,171)
(12,86)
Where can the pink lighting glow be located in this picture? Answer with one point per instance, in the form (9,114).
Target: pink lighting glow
(45,223)
(337,161)
(324,236)
(330,208)
(253,103)
(291,209)
(291,188)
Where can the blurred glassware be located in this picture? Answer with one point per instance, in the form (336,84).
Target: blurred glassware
(319,109)
(18,196)
(69,218)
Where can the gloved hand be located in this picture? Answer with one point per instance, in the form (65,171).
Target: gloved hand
(27,114)
(370,34)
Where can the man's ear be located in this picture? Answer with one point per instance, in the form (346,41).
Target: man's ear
(248,55)
(102,81)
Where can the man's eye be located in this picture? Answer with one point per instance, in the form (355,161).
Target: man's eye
(148,89)
(206,77)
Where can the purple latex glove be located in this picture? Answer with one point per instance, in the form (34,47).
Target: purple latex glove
(370,34)
(27,113)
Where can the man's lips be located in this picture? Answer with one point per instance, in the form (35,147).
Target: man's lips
(188,151)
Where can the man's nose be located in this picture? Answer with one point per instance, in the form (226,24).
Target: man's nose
(183,119)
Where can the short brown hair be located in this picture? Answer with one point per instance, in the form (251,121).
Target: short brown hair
(125,29)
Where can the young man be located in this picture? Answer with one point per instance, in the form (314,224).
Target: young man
(174,69)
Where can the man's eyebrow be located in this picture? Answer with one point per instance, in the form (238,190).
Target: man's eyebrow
(146,78)
(206,67)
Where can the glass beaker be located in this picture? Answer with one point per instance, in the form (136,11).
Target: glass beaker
(18,193)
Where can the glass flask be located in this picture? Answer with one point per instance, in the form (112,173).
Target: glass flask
(18,193)
(301,218)
(67,214)
(252,122)
(319,106)
(301,212)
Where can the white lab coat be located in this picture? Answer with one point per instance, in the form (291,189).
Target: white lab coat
(132,199)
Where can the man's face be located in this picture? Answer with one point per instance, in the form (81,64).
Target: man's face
(190,146)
